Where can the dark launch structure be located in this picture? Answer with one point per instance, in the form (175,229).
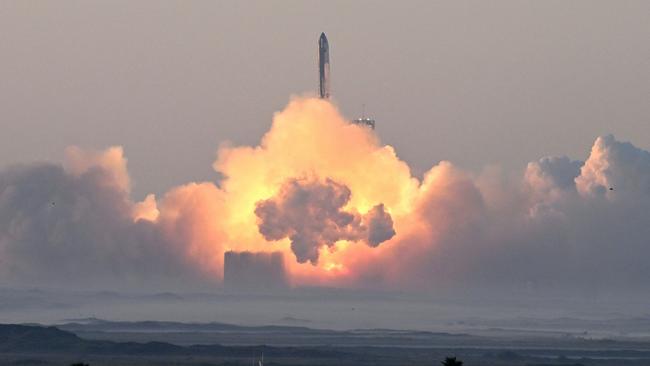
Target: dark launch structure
(254,272)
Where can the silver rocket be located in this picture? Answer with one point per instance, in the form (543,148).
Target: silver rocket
(324,66)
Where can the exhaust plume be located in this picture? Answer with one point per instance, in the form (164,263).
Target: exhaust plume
(314,187)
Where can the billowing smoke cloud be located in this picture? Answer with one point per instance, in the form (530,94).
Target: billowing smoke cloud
(559,223)
(617,165)
(566,224)
(75,225)
(379,225)
(311,213)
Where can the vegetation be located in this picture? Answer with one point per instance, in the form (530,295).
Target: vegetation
(452,361)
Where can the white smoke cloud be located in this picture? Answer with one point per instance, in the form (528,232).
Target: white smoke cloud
(617,165)
(561,224)
(561,227)
(548,182)
(74,226)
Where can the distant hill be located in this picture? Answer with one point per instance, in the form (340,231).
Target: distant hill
(37,339)
(186,334)
(51,340)
(94,324)
(23,338)
(39,345)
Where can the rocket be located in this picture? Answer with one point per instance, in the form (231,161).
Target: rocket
(324,66)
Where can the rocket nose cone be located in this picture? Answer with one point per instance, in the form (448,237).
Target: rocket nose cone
(322,37)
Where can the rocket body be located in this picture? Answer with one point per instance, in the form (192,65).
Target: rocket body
(324,66)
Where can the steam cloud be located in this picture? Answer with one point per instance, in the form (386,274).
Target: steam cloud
(311,214)
(561,223)
(74,225)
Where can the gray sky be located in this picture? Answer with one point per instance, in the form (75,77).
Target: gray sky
(473,82)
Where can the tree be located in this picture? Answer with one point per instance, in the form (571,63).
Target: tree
(451,361)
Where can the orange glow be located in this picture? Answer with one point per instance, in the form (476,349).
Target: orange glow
(309,138)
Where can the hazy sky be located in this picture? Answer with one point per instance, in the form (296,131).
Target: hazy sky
(473,82)
(479,84)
